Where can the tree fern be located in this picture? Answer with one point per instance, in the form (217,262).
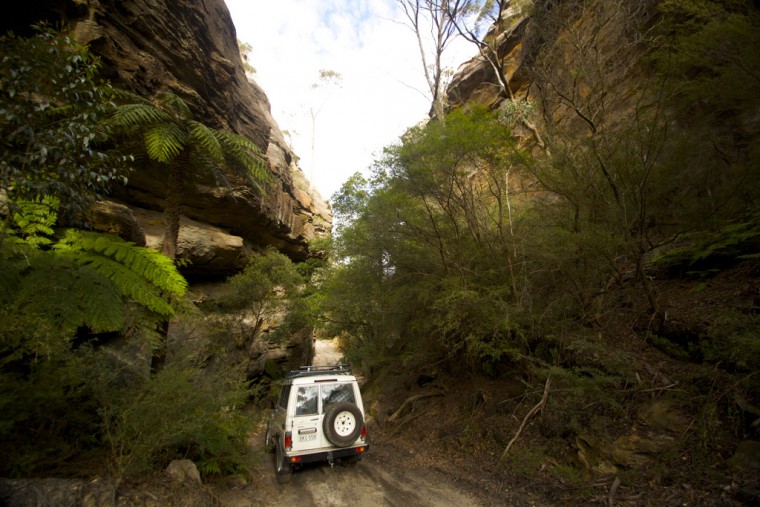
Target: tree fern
(244,152)
(170,136)
(175,104)
(133,115)
(205,137)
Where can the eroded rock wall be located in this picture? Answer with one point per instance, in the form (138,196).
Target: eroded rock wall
(190,47)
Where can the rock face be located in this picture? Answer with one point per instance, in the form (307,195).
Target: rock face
(189,47)
(475,80)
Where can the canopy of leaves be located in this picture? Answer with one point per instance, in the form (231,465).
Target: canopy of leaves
(428,248)
(462,243)
(52,108)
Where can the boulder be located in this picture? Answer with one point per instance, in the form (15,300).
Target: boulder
(203,249)
(184,470)
(115,218)
(602,457)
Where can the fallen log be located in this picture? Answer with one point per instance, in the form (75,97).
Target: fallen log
(410,400)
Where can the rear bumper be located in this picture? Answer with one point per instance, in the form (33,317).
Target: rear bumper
(333,454)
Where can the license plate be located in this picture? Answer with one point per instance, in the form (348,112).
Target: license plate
(307,438)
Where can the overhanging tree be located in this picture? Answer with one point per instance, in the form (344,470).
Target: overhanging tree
(187,148)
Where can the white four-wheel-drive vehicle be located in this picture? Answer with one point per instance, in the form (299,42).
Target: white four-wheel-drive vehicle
(318,417)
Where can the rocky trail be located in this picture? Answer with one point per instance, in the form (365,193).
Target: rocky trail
(381,478)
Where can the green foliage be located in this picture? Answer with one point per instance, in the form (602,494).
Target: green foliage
(172,139)
(141,274)
(52,109)
(269,287)
(181,412)
(168,130)
(54,304)
(731,243)
(32,222)
(428,248)
(46,415)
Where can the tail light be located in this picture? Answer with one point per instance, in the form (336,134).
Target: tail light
(364,432)
(288,441)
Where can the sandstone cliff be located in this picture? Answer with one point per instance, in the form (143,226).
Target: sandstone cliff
(189,47)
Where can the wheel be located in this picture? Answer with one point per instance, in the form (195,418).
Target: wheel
(282,469)
(270,442)
(350,461)
(343,424)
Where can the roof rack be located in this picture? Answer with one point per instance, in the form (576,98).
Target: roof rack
(305,371)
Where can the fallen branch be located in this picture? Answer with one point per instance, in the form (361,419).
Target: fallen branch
(535,409)
(412,399)
(613,490)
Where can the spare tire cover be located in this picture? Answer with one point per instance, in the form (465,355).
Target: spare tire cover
(343,423)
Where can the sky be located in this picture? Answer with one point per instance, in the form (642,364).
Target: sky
(382,90)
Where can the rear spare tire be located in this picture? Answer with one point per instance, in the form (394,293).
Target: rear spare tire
(343,424)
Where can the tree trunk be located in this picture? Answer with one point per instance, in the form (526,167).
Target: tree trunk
(172,210)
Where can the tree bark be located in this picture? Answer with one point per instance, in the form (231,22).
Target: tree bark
(173,209)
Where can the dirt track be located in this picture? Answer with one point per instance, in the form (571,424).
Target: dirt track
(383,477)
(375,481)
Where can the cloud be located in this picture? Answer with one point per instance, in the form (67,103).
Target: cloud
(382,91)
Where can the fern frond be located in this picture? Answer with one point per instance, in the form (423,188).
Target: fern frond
(126,96)
(247,154)
(165,141)
(205,137)
(139,115)
(35,221)
(175,104)
(69,296)
(131,284)
(146,276)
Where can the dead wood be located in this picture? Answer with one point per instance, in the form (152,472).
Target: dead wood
(412,399)
(535,409)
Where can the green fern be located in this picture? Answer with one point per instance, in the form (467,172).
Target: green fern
(204,137)
(33,222)
(143,275)
(242,151)
(164,142)
(70,296)
(135,115)
(175,104)
(733,241)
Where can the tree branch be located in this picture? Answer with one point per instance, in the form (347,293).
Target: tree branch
(535,409)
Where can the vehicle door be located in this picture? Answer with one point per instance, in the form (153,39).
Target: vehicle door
(338,392)
(307,421)
(280,411)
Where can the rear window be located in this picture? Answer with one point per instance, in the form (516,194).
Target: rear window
(336,393)
(306,400)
